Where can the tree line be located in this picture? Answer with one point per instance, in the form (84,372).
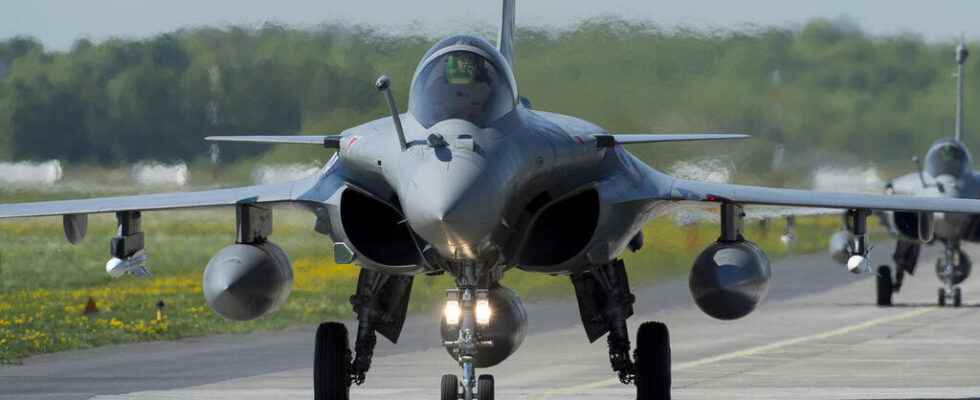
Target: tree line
(824,89)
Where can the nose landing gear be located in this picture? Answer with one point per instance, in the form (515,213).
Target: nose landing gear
(952,269)
(469,309)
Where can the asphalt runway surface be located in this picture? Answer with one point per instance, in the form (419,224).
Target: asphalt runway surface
(818,336)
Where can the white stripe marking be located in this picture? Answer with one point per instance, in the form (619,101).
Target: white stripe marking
(744,353)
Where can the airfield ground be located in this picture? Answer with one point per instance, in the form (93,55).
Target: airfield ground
(45,283)
(819,336)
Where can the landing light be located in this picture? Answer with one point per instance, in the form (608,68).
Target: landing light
(452,312)
(483,312)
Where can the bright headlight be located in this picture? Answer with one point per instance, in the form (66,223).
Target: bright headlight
(452,312)
(483,311)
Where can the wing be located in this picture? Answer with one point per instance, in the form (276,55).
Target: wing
(315,189)
(682,189)
(610,140)
(149,202)
(329,141)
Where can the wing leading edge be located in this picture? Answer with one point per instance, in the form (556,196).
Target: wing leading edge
(329,141)
(265,194)
(686,190)
(635,138)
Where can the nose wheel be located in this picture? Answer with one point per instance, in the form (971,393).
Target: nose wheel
(450,387)
(453,390)
(952,297)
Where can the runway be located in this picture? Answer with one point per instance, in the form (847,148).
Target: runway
(819,336)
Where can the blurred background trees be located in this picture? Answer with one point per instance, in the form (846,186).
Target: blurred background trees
(825,92)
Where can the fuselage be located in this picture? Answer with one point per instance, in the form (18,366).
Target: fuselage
(484,179)
(947,172)
(476,195)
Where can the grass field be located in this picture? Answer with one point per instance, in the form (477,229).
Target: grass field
(45,282)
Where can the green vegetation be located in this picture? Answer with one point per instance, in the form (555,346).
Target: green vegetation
(826,86)
(45,282)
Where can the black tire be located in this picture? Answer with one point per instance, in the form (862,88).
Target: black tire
(957,298)
(331,363)
(884,286)
(450,387)
(484,387)
(652,357)
(942,297)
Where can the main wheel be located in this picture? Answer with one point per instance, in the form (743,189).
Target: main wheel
(450,387)
(652,358)
(942,297)
(331,363)
(957,298)
(884,286)
(484,387)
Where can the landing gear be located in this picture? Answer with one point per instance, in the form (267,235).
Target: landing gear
(953,297)
(884,286)
(467,316)
(381,304)
(450,387)
(906,257)
(652,358)
(331,363)
(952,269)
(605,302)
(484,387)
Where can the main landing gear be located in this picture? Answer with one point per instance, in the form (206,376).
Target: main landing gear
(906,257)
(605,302)
(381,303)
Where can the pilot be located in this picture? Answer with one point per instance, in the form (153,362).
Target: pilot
(460,84)
(461,68)
(947,159)
(467,72)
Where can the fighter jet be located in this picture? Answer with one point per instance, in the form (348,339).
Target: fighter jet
(947,173)
(473,182)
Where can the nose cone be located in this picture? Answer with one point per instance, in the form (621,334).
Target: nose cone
(453,203)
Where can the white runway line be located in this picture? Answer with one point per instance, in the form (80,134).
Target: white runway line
(579,389)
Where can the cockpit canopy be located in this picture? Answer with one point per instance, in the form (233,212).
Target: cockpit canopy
(947,157)
(462,77)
